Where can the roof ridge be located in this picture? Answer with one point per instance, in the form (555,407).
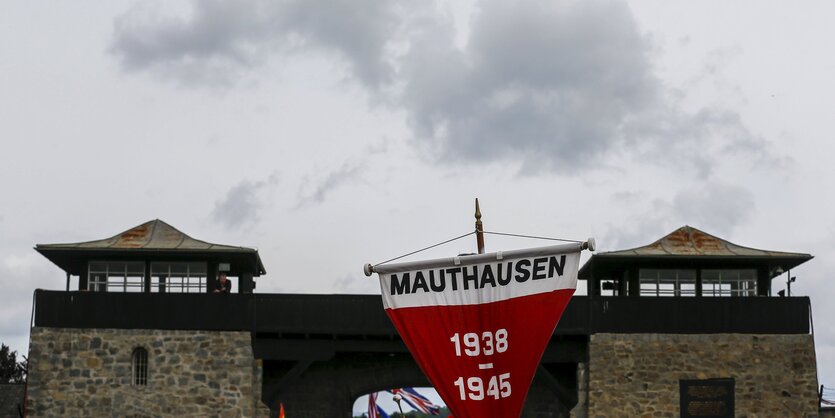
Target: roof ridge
(668,243)
(153,226)
(128,230)
(183,235)
(657,241)
(154,223)
(735,244)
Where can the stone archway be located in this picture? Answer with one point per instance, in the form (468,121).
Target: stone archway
(329,388)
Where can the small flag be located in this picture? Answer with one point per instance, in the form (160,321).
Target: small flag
(417,401)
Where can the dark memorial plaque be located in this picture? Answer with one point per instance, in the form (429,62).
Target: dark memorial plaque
(707,398)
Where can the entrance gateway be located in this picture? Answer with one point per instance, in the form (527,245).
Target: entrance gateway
(622,350)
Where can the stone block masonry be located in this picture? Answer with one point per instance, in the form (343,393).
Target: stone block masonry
(637,375)
(88,373)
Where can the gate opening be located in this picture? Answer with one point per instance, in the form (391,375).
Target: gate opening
(418,402)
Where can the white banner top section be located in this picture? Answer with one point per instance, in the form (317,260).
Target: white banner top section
(479,278)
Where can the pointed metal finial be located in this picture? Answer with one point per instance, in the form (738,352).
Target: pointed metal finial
(477,211)
(479,228)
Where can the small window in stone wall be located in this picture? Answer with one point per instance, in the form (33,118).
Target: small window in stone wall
(139,367)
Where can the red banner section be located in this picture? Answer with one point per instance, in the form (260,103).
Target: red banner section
(478,325)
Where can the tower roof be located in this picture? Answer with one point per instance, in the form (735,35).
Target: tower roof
(692,242)
(152,235)
(691,245)
(155,236)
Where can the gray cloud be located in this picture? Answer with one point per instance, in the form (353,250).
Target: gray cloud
(668,136)
(556,86)
(220,40)
(243,203)
(652,222)
(548,82)
(331,181)
(716,208)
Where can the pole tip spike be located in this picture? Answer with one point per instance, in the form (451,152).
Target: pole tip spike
(477,210)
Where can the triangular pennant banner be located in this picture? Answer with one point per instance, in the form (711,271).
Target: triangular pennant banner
(477,325)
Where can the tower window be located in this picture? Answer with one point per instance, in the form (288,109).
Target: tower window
(139,367)
(667,282)
(178,277)
(729,282)
(115,276)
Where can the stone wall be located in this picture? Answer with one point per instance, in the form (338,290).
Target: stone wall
(87,373)
(637,375)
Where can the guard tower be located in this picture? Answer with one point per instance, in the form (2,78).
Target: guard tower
(153,257)
(716,345)
(687,262)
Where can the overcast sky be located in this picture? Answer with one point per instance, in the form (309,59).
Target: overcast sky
(329,134)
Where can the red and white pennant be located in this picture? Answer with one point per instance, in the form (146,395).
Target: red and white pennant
(477,325)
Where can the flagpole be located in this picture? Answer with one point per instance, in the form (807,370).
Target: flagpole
(396,399)
(479,228)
